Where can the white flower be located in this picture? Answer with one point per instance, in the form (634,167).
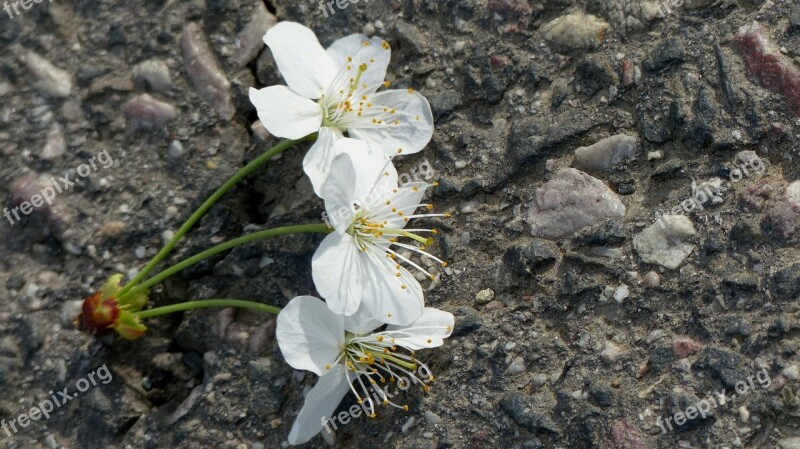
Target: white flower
(334,91)
(356,266)
(348,355)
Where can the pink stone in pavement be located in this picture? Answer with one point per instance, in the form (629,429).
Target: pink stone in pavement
(569,202)
(625,436)
(684,347)
(782,217)
(38,194)
(764,61)
(145,112)
(206,73)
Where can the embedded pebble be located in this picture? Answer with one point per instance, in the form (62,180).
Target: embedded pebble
(744,414)
(569,202)
(36,193)
(153,74)
(204,70)
(791,372)
(607,153)
(663,243)
(790,443)
(764,61)
(249,41)
(260,131)
(793,192)
(652,279)
(175,149)
(56,145)
(575,31)
(484,296)
(611,352)
(407,426)
(48,79)
(516,367)
(145,112)
(621,293)
(431,418)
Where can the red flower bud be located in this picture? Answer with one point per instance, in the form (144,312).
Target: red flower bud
(99,316)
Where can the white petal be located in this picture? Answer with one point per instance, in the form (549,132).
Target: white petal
(310,336)
(375,175)
(304,64)
(362,322)
(320,404)
(317,162)
(407,131)
(337,191)
(284,113)
(384,295)
(434,325)
(336,270)
(349,53)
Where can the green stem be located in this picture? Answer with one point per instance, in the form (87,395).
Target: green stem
(207,303)
(260,235)
(198,214)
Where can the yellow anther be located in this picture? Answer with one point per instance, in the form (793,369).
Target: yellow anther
(417,118)
(372,415)
(415,188)
(403,287)
(429,341)
(436,183)
(426,388)
(380,337)
(410,90)
(405,407)
(398,274)
(388,202)
(432,277)
(386,84)
(385,45)
(327,367)
(349,67)
(349,59)
(362,67)
(399,150)
(366,43)
(444,264)
(434,231)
